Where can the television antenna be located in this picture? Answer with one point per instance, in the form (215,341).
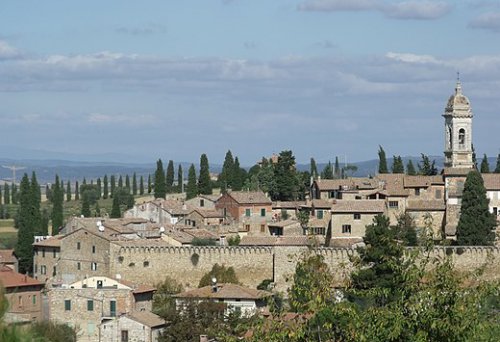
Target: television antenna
(13,168)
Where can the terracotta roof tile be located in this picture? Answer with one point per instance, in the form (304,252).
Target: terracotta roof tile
(426,205)
(491,181)
(359,206)
(250,197)
(225,291)
(7,256)
(10,279)
(54,241)
(147,318)
(393,184)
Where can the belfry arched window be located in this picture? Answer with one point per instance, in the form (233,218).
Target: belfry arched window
(461,136)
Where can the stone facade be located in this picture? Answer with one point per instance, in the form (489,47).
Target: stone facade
(131,329)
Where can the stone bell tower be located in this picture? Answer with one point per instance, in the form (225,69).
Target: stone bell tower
(458,131)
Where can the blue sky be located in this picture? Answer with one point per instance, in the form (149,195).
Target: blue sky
(174,79)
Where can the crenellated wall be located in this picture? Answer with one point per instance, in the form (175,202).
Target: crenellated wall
(254,264)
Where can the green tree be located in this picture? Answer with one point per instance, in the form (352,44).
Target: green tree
(85,206)
(120,182)
(77,192)
(112,185)
(134,184)
(115,209)
(497,167)
(410,168)
(406,230)
(327,172)
(68,192)
(35,206)
(238,176)
(25,223)
(204,182)
(14,194)
(163,302)
(160,189)
(99,188)
(141,186)
(485,166)
(426,168)
(127,182)
(105,191)
(397,165)
(180,179)
(6,194)
(225,178)
(476,224)
(382,161)
(313,169)
(221,273)
(150,186)
(336,171)
(286,178)
(169,178)
(191,187)
(57,206)
(474,158)
(97,210)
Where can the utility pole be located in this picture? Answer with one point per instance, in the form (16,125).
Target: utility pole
(13,168)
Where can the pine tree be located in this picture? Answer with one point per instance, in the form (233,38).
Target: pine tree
(141,186)
(336,170)
(204,182)
(77,191)
(36,195)
(26,227)
(410,168)
(85,206)
(112,185)
(115,209)
(497,167)
(485,166)
(397,165)
(327,172)
(169,177)
(6,194)
(57,206)
(150,186)
(68,192)
(313,169)
(134,184)
(159,185)
(226,176)
(99,188)
(287,185)
(426,168)
(105,191)
(476,224)
(180,179)
(382,161)
(191,187)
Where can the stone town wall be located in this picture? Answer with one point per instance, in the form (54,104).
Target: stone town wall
(254,264)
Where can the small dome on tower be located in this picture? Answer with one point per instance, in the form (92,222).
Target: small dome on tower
(458,103)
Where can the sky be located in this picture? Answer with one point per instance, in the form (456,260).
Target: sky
(173,79)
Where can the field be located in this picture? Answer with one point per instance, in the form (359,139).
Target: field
(8,234)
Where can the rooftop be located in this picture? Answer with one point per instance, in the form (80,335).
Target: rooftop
(359,206)
(12,279)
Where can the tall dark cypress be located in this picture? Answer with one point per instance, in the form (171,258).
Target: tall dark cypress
(112,185)
(191,187)
(57,206)
(115,209)
(25,225)
(160,189)
(6,194)
(141,186)
(169,178)
(204,182)
(225,178)
(35,205)
(127,183)
(134,184)
(397,165)
(68,192)
(410,168)
(77,191)
(120,182)
(337,173)
(497,167)
(99,188)
(180,179)
(485,166)
(150,186)
(382,161)
(313,169)
(14,194)
(105,191)
(237,176)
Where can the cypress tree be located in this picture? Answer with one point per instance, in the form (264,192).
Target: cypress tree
(485,166)
(14,194)
(141,186)
(112,185)
(84,181)
(97,210)
(77,191)
(99,188)
(127,183)
(45,222)
(497,167)
(238,176)
(204,182)
(1,195)
(26,227)
(36,195)
(382,161)
(226,176)
(105,191)
(120,182)
(115,209)
(68,192)
(327,172)
(85,206)
(169,178)
(397,165)
(474,158)
(63,192)
(287,182)
(160,187)
(476,224)
(57,206)
(336,170)
(313,169)
(191,187)
(180,179)
(410,168)
(134,184)
(150,186)
(6,194)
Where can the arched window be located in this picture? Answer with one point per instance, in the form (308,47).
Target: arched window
(461,136)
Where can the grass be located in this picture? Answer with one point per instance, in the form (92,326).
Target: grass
(8,240)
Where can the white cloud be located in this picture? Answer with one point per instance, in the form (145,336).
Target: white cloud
(412,9)
(413,58)
(7,51)
(487,21)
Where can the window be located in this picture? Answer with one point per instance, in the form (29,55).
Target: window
(319,214)
(263,212)
(495,211)
(33,300)
(393,204)
(43,253)
(318,231)
(112,308)
(78,245)
(202,203)
(67,305)
(417,191)
(262,228)
(36,268)
(247,212)
(145,263)
(438,194)
(247,227)
(43,269)
(93,249)
(20,300)
(78,266)
(461,136)
(357,216)
(93,266)
(346,228)
(90,305)
(124,335)
(54,271)
(54,253)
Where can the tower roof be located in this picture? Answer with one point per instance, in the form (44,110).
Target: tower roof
(458,104)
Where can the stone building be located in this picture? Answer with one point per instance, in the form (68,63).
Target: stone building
(8,258)
(85,304)
(141,326)
(350,217)
(46,256)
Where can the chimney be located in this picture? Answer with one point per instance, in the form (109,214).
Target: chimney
(203,338)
